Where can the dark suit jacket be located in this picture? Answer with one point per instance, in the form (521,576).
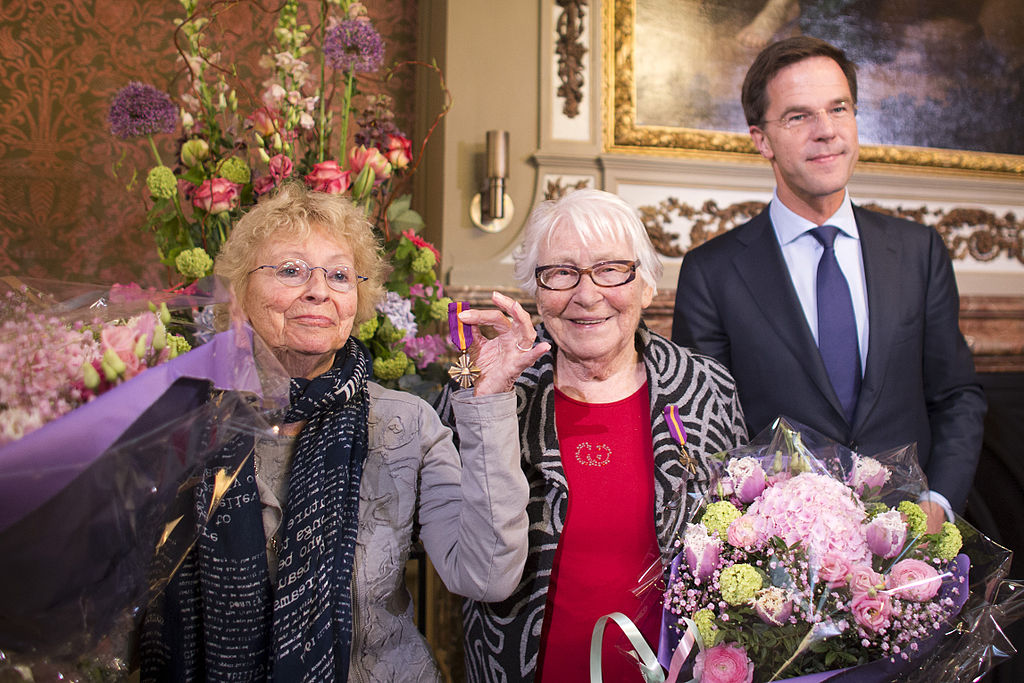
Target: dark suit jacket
(735,301)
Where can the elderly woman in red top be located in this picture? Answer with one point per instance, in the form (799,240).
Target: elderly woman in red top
(608,480)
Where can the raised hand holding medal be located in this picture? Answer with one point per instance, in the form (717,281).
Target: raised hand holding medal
(492,365)
(462,371)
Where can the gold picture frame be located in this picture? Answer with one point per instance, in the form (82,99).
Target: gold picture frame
(623,133)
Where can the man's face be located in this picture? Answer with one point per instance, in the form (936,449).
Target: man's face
(813,158)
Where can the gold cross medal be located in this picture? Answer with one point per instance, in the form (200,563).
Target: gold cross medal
(462,371)
(678,432)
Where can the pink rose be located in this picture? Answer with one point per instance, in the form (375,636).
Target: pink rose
(216,195)
(913,580)
(864,579)
(361,157)
(724,663)
(120,339)
(328,177)
(872,611)
(701,551)
(886,534)
(280,166)
(399,151)
(748,480)
(264,184)
(748,531)
(833,569)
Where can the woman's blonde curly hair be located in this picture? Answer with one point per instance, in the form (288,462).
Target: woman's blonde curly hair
(292,213)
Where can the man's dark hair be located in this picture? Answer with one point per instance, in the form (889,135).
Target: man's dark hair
(778,56)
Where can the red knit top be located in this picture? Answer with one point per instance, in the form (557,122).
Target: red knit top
(608,544)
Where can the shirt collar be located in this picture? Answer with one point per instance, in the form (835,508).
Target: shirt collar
(789,226)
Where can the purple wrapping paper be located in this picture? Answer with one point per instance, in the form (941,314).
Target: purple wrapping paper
(36,467)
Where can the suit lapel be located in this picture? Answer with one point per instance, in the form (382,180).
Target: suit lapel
(881,262)
(763,270)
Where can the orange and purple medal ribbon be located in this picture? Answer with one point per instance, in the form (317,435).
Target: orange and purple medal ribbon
(462,371)
(678,432)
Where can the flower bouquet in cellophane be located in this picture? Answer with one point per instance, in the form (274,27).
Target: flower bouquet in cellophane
(806,561)
(106,423)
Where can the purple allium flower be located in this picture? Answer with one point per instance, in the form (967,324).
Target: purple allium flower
(140,109)
(354,45)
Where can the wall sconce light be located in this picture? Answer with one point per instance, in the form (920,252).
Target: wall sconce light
(491,210)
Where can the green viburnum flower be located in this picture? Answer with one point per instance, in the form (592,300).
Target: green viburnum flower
(194,151)
(193,263)
(949,542)
(424,261)
(235,170)
(178,345)
(872,510)
(917,520)
(740,584)
(390,368)
(389,334)
(705,620)
(367,329)
(439,308)
(161,182)
(719,516)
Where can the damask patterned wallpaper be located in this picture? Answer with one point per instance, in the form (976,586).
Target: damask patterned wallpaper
(65,212)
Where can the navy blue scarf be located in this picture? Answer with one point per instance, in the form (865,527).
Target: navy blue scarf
(219,618)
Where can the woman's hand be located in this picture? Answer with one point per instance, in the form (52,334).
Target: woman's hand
(502,359)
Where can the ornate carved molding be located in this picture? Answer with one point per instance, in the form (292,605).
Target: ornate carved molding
(570,50)
(968,233)
(556,189)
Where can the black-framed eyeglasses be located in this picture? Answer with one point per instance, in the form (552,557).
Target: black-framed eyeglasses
(838,113)
(604,274)
(296,272)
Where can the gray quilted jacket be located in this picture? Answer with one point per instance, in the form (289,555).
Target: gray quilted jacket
(469,507)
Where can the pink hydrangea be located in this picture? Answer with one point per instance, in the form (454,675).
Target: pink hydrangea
(818,512)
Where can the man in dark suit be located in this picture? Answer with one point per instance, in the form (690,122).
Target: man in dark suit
(858,337)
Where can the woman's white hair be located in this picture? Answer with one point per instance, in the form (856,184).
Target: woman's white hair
(595,216)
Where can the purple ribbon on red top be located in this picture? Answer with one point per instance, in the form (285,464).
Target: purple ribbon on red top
(460,333)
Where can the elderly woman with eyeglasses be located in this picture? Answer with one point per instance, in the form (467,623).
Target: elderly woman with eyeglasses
(608,478)
(300,577)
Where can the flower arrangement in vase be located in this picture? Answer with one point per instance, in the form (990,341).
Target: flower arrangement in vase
(309,123)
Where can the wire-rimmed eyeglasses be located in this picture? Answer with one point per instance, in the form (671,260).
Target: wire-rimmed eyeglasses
(840,112)
(296,272)
(604,274)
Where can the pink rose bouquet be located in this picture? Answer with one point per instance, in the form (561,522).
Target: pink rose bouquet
(804,559)
(108,426)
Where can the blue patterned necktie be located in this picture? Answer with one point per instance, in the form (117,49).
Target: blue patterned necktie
(837,326)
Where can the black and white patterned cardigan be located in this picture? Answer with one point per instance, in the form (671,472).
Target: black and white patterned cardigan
(502,639)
